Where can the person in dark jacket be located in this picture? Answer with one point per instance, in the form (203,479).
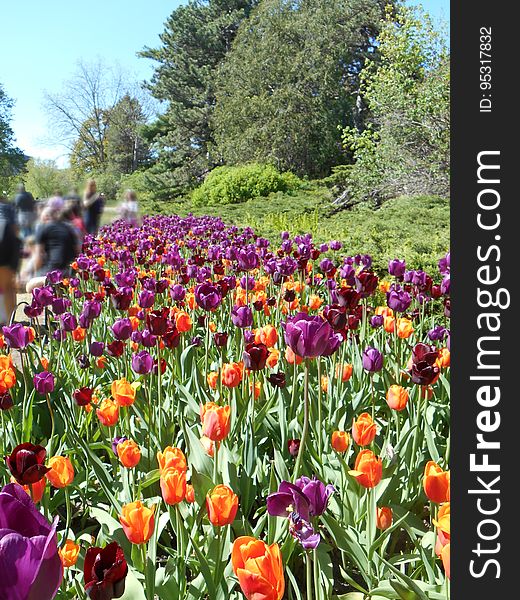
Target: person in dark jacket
(9,259)
(25,206)
(93,205)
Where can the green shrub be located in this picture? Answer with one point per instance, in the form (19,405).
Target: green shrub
(233,185)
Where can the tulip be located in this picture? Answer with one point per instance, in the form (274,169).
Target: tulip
(69,553)
(364,430)
(129,453)
(83,396)
(190,494)
(436,483)
(108,412)
(122,329)
(397,397)
(44,382)
(277,379)
(231,374)
(123,392)
(216,421)
(17,336)
(105,570)
(404,328)
(172,457)
(222,505)
(372,360)
(259,568)
(29,560)
(61,472)
(26,463)
(6,401)
(207,296)
(183,321)
(317,494)
(212,380)
(208,445)
(255,356)
(340,441)
(241,316)
(309,337)
(138,522)
(7,374)
(424,369)
(368,469)
(384,518)
(346,372)
(173,485)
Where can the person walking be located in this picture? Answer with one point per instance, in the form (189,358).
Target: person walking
(93,204)
(10,246)
(25,206)
(129,209)
(56,245)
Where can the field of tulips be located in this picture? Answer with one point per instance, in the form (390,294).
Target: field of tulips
(195,414)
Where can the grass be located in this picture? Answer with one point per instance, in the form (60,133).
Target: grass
(414,228)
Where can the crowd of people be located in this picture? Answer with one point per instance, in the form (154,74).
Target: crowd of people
(39,236)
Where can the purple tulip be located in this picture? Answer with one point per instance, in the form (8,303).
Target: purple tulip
(317,493)
(377,320)
(437,333)
(207,296)
(44,382)
(96,348)
(248,259)
(146,299)
(116,441)
(242,316)
(309,336)
(142,362)
(122,329)
(372,359)
(16,336)
(30,566)
(43,296)
(288,496)
(398,299)
(397,268)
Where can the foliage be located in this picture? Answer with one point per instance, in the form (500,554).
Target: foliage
(233,185)
(405,147)
(196,38)
(44,179)
(11,158)
(284,106)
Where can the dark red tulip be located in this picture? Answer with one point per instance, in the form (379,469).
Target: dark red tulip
(26,463)
(105,571)
(255,356)
(83,396)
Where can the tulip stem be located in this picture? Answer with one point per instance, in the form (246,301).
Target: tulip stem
(308,572)
(51,413)
(305,422)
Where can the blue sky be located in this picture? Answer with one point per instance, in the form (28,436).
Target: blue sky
(42,42)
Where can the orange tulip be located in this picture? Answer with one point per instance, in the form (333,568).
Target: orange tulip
(172,457)
(267,335)
(273,357)
(212,380)
(259,568)
(364,430)
(123,391)
(222,505)
(69,553)
(108,412)
(138,522)
(404,328)
(216,421)
(212,327)
(7,374)
(443,519)
(173,485)
(315,302)
(35,490)
(231,374)
(384,518)
(346,372)
(183,321)
(324,384)
(386,311)
(190,494)
(129,454)
(436,483)
(340,441)
(79,334)
(389,324)
(397,397)
(444,358)
(44,362)
(62,472)
(368,469)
